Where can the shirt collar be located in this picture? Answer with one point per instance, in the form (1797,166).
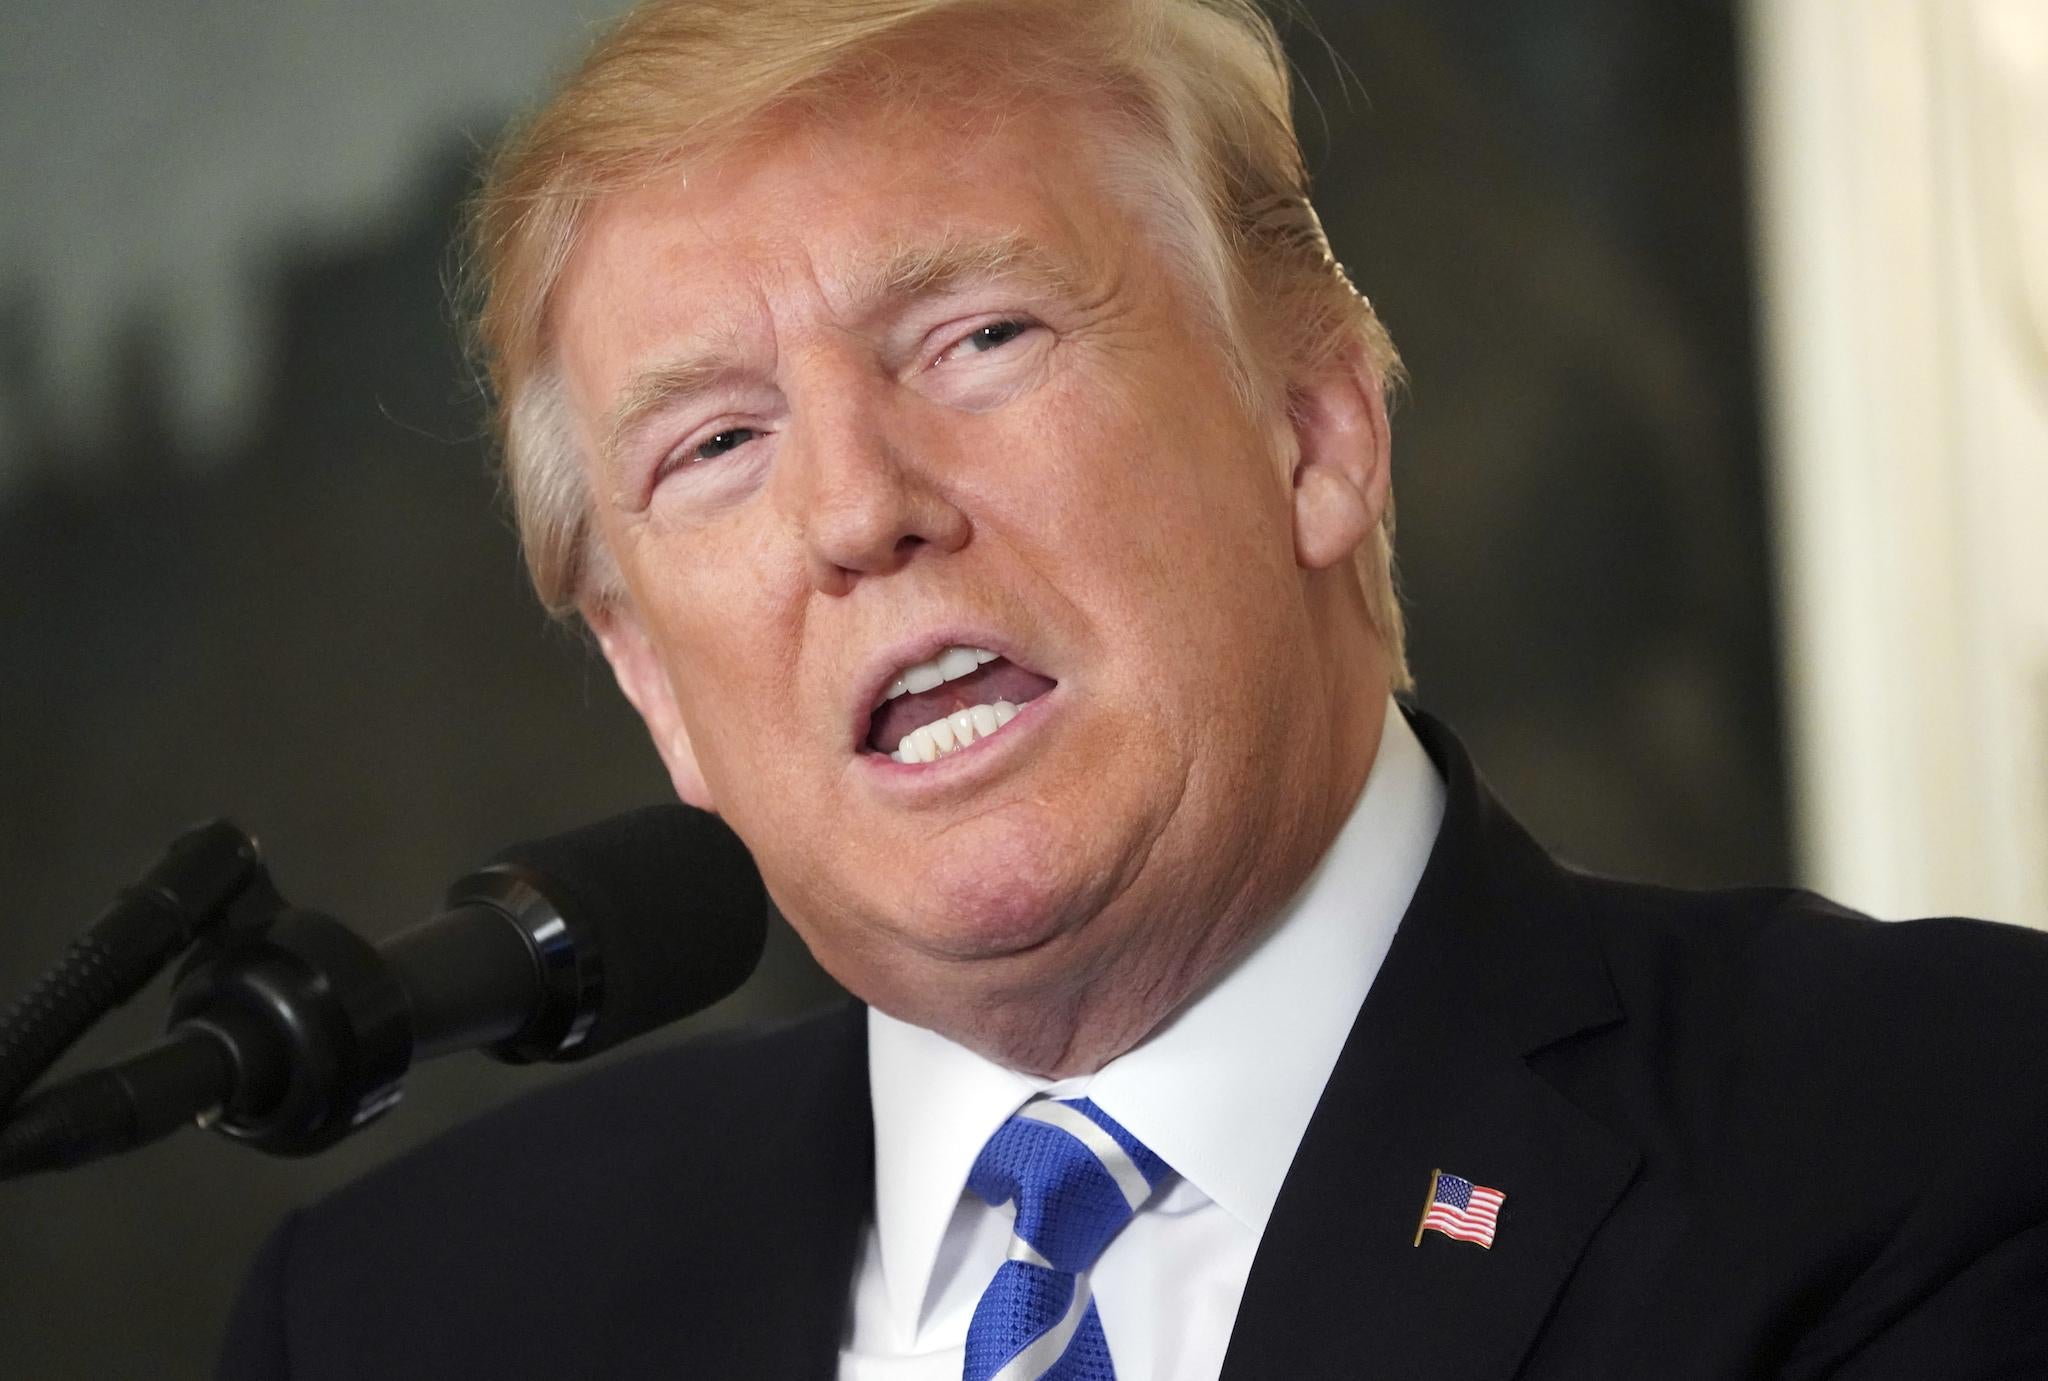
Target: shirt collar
(1225,1111)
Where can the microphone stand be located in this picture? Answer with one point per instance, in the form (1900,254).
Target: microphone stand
(287,1040)
(210,881)
(289,1031)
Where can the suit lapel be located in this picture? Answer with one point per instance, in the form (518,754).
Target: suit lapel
(1492,962)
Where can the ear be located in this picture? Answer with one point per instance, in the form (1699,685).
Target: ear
(1338,415)
(641,676)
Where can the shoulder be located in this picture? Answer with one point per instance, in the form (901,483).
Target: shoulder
(632,1199)
(592,1138)
(1839,1122)
(1799,1073)
(1789,976)
(1792,1003)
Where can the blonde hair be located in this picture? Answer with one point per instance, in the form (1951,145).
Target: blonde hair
(1202,125)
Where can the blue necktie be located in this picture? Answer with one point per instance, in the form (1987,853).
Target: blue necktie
(1076,1177)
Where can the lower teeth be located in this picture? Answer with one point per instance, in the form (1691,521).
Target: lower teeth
(954,732)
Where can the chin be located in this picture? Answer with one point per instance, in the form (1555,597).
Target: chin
(1007,892)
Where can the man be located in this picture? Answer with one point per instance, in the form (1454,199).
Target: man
(949,420)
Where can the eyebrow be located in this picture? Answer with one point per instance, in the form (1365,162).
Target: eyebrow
(901,274)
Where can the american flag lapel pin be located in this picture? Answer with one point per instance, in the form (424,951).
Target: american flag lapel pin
(1458,1208)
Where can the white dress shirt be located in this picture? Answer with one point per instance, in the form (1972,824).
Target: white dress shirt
(1222,1092)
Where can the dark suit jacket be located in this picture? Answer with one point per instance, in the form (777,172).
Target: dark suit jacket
(1740,1134)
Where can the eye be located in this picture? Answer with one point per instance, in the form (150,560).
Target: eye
(987,339)
(729,440)
(1000,333)
(696,453)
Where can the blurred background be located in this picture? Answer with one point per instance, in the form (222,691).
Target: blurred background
(1722,479)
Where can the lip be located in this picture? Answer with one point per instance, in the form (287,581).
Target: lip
(921,648)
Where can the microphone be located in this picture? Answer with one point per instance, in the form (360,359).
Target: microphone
(556,949)
(563,947)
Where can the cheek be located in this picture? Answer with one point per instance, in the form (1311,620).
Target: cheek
(1092,475)
(1158,512)
(725,633)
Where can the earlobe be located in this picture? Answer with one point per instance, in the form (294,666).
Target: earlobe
(645,683)
(1341,476)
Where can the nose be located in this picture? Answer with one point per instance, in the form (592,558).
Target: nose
(861,492)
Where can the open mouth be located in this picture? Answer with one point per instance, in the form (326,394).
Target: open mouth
(951,702)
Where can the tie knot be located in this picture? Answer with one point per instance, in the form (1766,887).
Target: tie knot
(1075,1174)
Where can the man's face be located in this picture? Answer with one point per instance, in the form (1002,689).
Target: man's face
(861,394)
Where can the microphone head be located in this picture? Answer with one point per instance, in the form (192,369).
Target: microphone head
(663,911)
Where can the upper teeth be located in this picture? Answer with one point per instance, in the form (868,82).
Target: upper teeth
(950,665)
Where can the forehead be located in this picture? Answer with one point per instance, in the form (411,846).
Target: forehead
(833,211)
